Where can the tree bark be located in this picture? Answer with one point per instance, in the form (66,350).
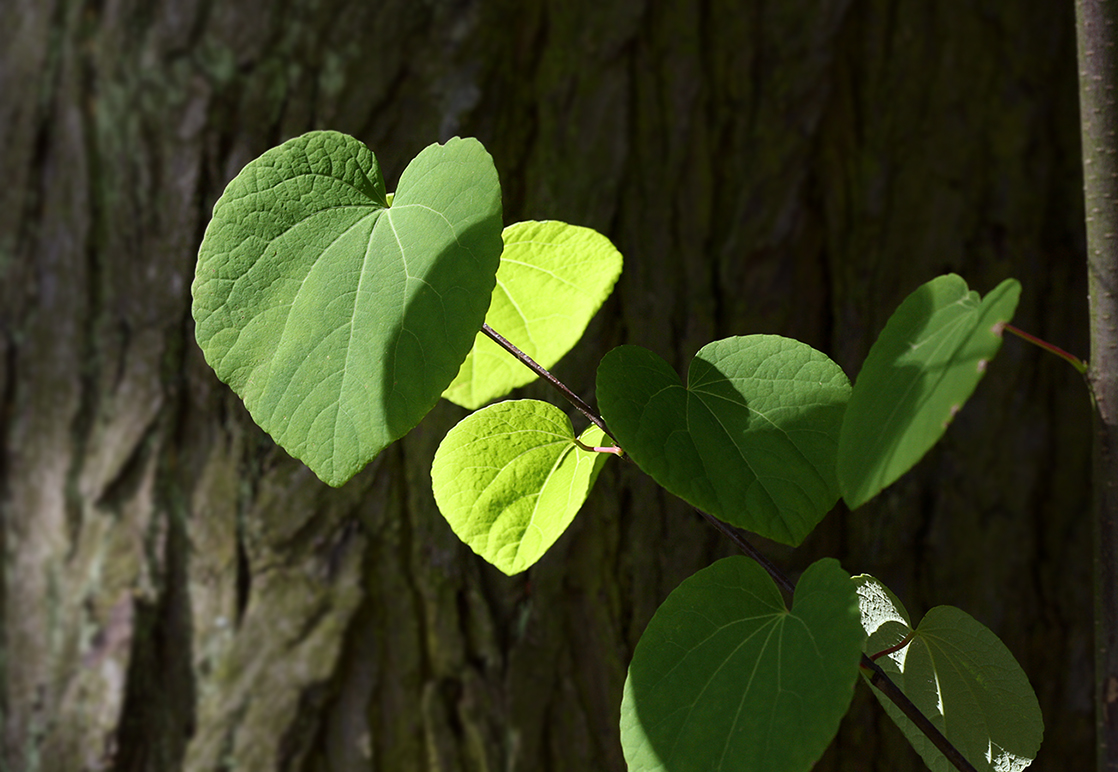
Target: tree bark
(178,593)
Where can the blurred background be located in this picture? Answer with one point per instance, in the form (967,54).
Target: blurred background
(179,594)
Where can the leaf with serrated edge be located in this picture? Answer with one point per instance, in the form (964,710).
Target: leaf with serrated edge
(337,319)
(553,278)
(509,479)
(752,437)
(924,366)
(960,676)
(726,679)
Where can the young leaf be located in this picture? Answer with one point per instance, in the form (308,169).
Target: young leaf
(918,374)
(961,676)
(337,319)
(509,479)
(752,437)
(552,280)
(725,678)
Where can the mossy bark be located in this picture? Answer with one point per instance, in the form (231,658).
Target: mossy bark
(177,593)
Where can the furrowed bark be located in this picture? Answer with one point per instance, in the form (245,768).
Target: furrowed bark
(179,594)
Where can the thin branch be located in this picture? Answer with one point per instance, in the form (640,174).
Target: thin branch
(733,535)
(539,370)
(1072,359)
(903,642)
(877,676)
(883,683)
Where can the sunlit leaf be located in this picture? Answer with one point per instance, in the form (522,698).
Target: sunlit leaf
(552,280)
(337,319)
(509,479)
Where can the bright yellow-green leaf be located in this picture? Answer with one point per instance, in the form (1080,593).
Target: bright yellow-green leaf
(552,280)
(509,479)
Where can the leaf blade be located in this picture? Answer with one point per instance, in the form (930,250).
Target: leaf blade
(725,678)
(921,370)
(963,679)
(329,312)
(552,279)
(751,439)
(509,480)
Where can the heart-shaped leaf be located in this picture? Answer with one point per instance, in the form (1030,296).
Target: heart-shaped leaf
(340,320)
(552,280)
(960,676)
(921,370)
(509,479)
(726,679)
(752,437)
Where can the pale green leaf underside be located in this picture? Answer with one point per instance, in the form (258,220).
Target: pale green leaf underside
(338,320)
(751,439)
(961,676)
(553,278)
(726,679)
(924,366)
(509,479)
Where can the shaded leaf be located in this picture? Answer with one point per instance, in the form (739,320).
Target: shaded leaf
(752,437)
(921,370)
(726,679)
(961,677)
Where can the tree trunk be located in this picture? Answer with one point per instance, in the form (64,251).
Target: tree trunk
(178,593)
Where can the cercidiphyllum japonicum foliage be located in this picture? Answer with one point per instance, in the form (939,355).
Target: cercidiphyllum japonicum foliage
(552,279)
(751,438)
(340,313)
(509,479)
(726,677)
(923,367)
(339,319)
(960,675)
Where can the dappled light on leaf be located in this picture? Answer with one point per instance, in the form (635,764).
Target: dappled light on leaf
(338,320)
(961,676)
(919,373)
(751,438)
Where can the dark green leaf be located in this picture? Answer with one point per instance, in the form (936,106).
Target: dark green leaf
(924,366)
(726,679)
(961,677)
(752,437)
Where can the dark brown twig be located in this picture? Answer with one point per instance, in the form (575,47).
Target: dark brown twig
(539,370)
